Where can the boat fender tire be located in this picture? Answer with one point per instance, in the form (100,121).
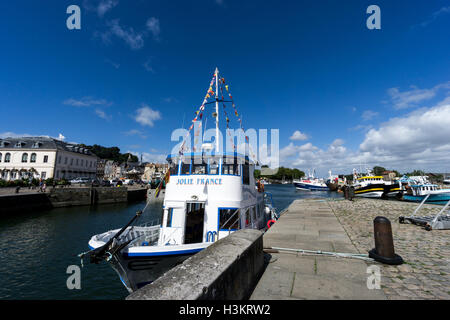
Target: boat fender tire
(270,223)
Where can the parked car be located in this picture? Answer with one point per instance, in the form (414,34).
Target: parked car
(80,180)
(129,182)
(116,182)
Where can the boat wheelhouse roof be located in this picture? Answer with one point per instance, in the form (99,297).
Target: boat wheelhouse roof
(371,177)
(210,155)
(423,185)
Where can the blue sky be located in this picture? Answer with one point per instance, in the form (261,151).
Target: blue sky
(356,96)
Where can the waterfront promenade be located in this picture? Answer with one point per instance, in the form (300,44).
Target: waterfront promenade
(311,225)
(347,226)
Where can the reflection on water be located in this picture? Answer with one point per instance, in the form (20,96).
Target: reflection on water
(36,248)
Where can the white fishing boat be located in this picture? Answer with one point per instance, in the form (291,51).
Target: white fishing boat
(369,185)
(209,194)
(311,183)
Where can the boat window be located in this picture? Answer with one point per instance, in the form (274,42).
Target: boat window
(253,214)
(173,169)
(246,174)
(230,169)
(228,218)
(185,167)
(214,168)
(200,168)
(169,217)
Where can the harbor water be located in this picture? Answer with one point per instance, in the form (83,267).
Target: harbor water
(36,248)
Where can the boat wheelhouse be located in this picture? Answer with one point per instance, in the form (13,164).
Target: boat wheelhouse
(432,192)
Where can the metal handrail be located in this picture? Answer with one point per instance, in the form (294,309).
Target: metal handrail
(238,210)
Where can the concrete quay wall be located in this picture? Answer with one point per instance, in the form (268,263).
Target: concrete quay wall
(227,270)
(66,197)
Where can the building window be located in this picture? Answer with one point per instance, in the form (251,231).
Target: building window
(71,162)
(59,159)
(82,162)
(45,159)
(65,160)
(228,219)
(77,161)
(25,157)
(8,157)
(43,174)
(0,157)
(33,157)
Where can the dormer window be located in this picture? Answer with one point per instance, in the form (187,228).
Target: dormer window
(4,144)
(37,145)
(19,144)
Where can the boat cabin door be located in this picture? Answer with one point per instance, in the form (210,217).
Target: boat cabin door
(195,217)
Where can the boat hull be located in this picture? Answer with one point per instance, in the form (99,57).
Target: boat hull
(310,187)
(391,190)
(434,198)
(370,191)
(136,270)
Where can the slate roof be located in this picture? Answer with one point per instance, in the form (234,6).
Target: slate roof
(36,143)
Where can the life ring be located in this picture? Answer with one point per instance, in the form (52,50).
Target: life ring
(270,223)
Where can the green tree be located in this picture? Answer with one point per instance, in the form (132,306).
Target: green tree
(378,171)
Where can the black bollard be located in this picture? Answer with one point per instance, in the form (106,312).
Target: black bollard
(384,243)
(351,193)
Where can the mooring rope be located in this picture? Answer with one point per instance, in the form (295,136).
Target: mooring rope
(360,256)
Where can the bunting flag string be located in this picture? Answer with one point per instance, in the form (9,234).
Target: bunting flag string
(239,118)
(198,114)
(226,117)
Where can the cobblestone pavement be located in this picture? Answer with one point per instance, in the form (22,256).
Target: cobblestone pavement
(426,271)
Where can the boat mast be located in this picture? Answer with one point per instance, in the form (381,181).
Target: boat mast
(217,110)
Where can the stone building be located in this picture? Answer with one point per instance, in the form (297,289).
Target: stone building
(43,158)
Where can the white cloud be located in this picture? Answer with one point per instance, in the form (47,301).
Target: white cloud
(135,132)
(148,66)
(103,114)
(86,102)
(298,136)
(154,27)
(10,134)
(436,14)
(369,115)
(105,6)
(135,40)
(154,157)
(146,116)
(411,98)
(418,140)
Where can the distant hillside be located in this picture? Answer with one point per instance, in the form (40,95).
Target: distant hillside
(111,153)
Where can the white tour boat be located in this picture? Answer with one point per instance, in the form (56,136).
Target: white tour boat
(209,194)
